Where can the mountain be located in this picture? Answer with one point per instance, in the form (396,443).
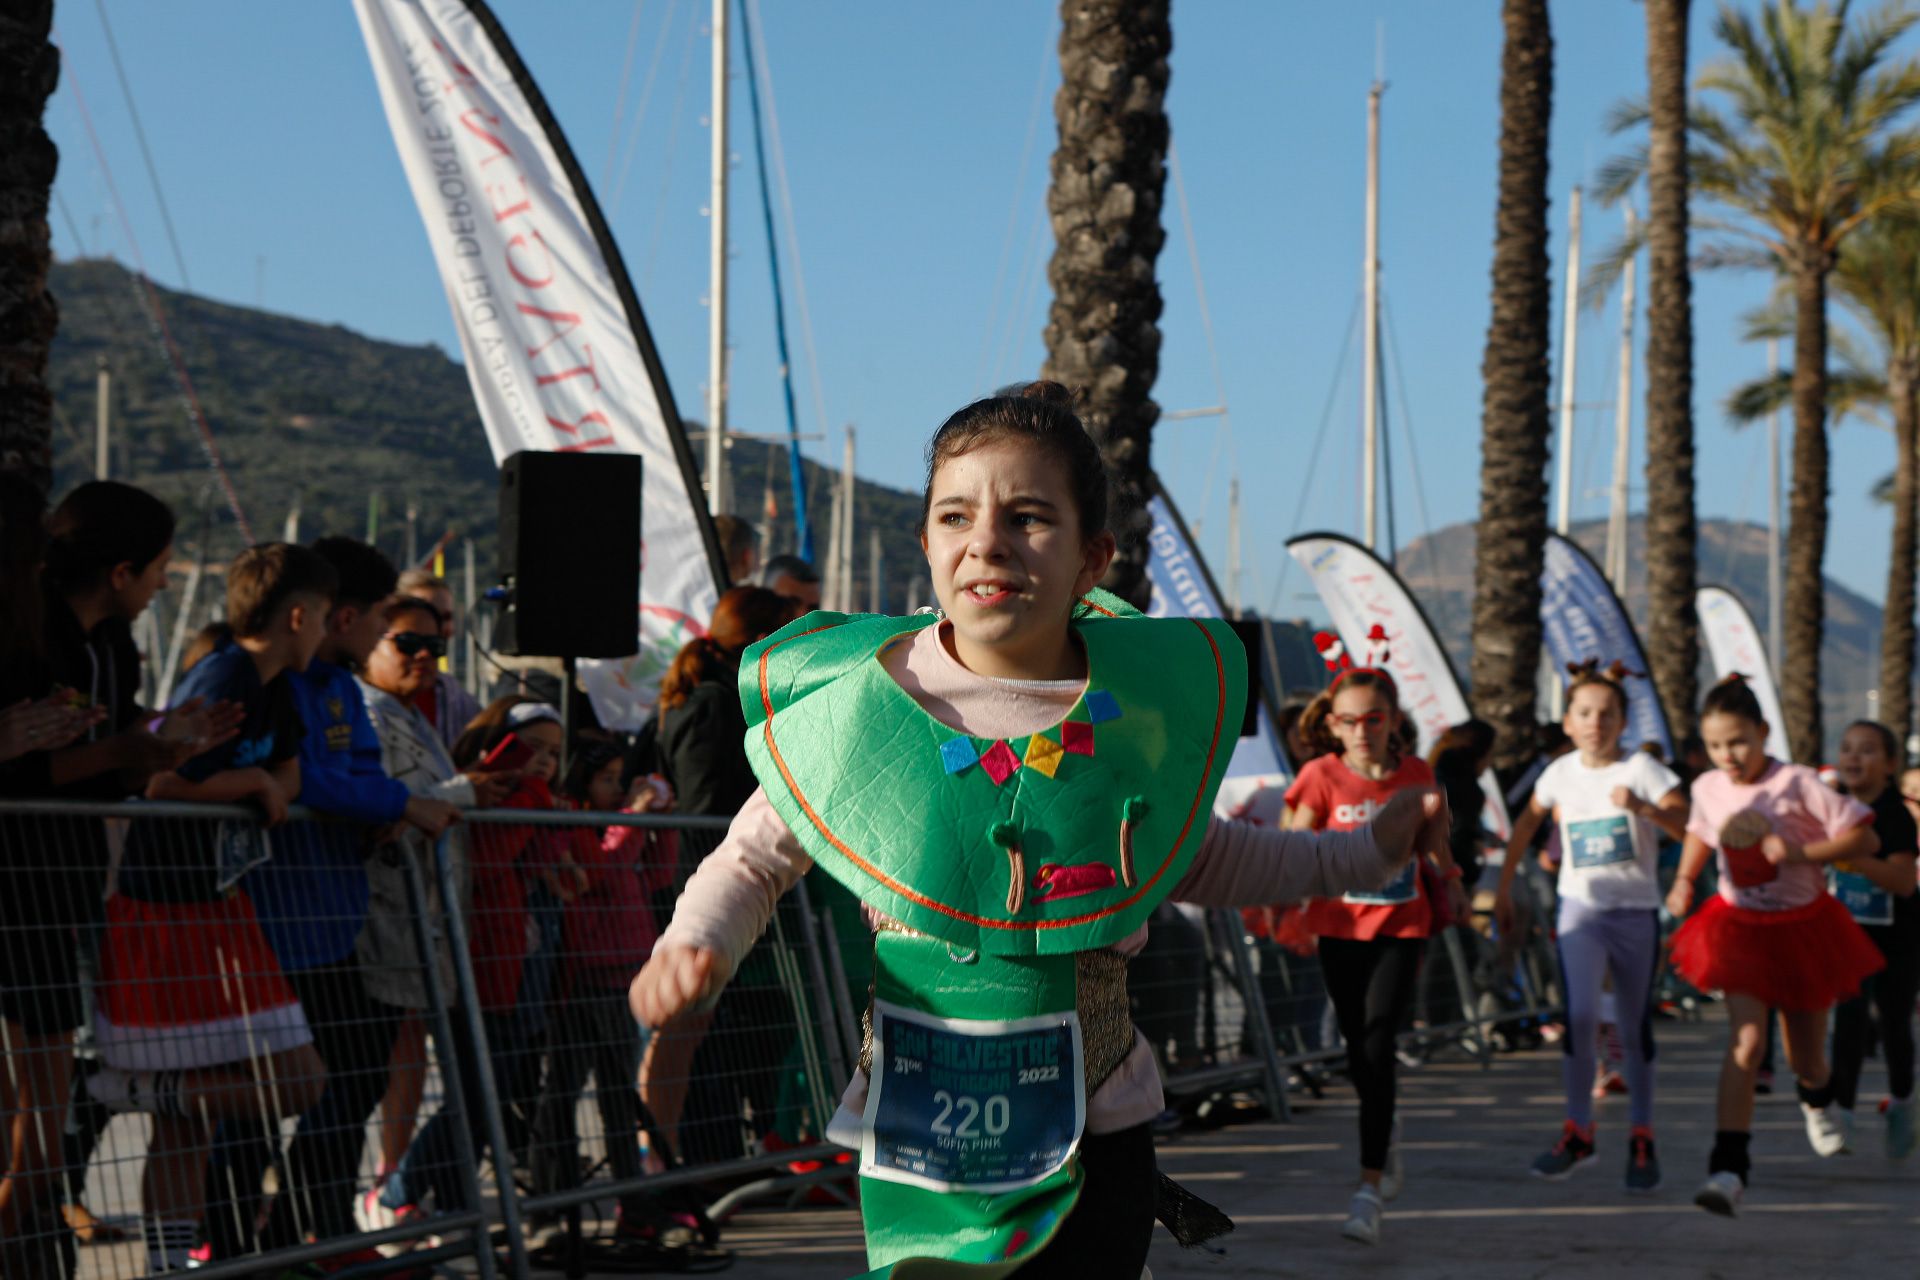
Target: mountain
(338,424)
(1439,570)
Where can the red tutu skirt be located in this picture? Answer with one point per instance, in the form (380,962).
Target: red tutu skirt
(191,984)
(1803,959)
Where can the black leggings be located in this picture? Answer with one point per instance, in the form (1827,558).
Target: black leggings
(1893,989)
(1111,1225)
(1372,985)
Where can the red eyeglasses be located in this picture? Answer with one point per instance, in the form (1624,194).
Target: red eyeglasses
(1371,720)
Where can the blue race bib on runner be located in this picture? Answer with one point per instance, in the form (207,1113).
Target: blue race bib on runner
(1867,901)
(1402,889)
(1600,842)
(956,1104)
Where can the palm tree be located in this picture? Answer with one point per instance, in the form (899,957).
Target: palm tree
(1513,419)
(1878,280)
(29,69)
(1673,630)
(1109,174)
(1803,156)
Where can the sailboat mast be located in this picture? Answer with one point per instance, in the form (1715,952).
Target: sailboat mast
(1773,515)
(1622,433)
(717,277)
(845,585)
(1569,348)
(1233,547)
(1370,448)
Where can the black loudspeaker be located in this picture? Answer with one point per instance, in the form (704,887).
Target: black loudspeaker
(569,555)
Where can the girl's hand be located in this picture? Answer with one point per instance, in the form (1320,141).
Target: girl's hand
(673,981)
(430,815)
(47,725)
(1624,798)
(491,788)
(1504,916)
(1680,899)
(1779,851)
(650,794)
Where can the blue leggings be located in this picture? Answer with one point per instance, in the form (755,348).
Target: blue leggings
(1594,940)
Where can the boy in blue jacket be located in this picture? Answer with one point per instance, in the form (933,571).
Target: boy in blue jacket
(311,899)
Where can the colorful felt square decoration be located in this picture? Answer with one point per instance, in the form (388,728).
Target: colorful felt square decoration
(1101,707)
(1000,762)
(959,754)
(1044,755)
(1076,738)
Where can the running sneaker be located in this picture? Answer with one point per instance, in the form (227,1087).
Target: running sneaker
(1826,1129)
(1721,1193)
(1394,1177)
(1608,1081)
(1643,1166)
(1363,1217)
(1899,1132)
(1563,1157)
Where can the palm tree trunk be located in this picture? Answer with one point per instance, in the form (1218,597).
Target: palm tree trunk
(29,69)
(1805,603)
(1673,627)
(1514,421)
(1109,175)
(1896,626)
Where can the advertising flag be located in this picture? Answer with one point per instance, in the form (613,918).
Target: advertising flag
(1733,644)
(556,347)
(1360,591)
(1257,775)
(1584,619)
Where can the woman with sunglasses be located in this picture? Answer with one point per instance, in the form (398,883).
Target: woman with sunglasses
(1370,943)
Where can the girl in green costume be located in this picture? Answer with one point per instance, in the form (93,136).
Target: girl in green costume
(1010,788)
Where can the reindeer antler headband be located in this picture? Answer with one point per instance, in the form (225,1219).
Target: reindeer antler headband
(1334,653)
(1615,672)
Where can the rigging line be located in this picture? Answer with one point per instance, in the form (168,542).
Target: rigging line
(1386,463)
(146,153)
(673,146)
(1013,211)
(1224,434)
(792,224)
(646,97)
(1313,458)
(157,316)
(1754,451)
(802,532)
(1413,448)
(73,228)
(620,99)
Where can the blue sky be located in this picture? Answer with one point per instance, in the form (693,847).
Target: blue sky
(916,139)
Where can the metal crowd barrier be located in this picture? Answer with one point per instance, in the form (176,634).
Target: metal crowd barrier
(469,1026)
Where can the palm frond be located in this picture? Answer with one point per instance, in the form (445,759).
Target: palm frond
(1626,114)
(1882,490)
(1603,272)
(1754,400)
(1618,174)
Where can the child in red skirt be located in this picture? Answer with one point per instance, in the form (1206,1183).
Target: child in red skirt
(195,1022)
(1773,936)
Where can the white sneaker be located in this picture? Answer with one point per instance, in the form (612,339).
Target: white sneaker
(1363,1217)
(1393,1179)
(1826,1129)
(1720,1194)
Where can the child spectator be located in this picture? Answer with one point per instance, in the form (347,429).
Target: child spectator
(446,704)
(311,898)
(610,932)
(196,1023)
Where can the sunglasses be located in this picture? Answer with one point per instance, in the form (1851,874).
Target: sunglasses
(412,643)
(1371,720)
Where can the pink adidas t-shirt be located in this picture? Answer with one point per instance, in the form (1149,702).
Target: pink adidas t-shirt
(1798,806)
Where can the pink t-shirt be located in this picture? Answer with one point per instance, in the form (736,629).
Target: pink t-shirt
(1798,806)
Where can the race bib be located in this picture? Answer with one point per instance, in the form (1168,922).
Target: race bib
(1868,902)
(1404,888)
(957,1104)
(238,847)
(1600,842)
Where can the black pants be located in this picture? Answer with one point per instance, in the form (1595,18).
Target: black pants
(353,1033)
(1372,985)
(1111,1225)
(1893,989)
(592,1031)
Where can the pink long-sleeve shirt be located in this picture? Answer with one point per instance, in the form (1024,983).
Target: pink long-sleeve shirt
(729,900)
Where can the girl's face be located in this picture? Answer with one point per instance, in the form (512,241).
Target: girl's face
(1736,745)
(1363,721)
(1008,561)
(1594,720)
(603,789)
(399,673)
(543,739)
(1863,763)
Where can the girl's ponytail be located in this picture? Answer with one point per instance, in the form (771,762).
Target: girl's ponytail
(1733,696)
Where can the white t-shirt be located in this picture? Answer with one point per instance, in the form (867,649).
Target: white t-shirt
(1609,858)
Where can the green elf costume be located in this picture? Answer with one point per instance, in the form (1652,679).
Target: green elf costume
(1004,870)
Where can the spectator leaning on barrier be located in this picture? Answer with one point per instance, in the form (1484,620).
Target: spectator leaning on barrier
(443,700)
(196,1024)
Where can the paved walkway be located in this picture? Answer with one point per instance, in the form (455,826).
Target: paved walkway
(1471,1210)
